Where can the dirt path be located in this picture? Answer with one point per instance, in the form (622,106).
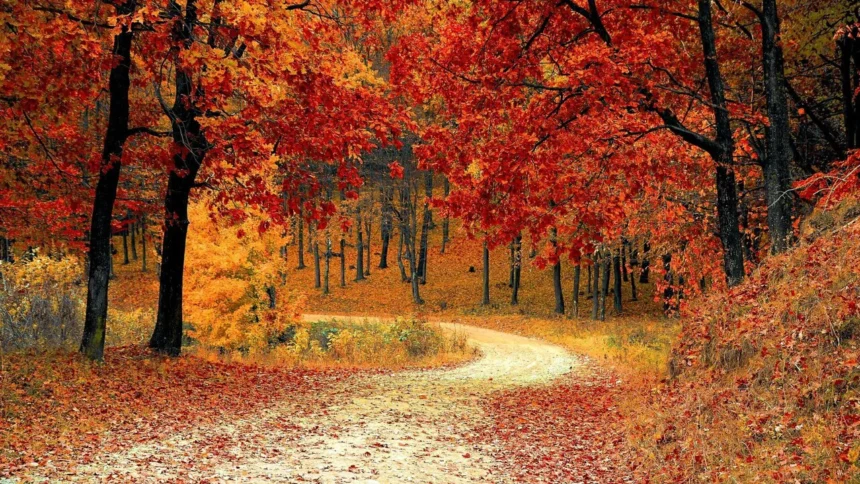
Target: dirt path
(404,427)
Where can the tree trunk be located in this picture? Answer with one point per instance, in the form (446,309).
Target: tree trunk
(385,230)
(325,286)
(125,259)
(577,274)
(134,241)
(624,260)
(143,243)
(847,46)
(187,132)
(342,262)
(359,249)
(485,299)
(616,269)
(301,232)
(92,343)
(595,287)
(403,276)
(644,277)
(518,269)
(426,224)
(317,272)
(727,196)
(446,184)
(604,290)
(777,170)
(556,276)
(367,233)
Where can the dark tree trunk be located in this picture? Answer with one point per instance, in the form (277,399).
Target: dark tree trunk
(386,228)
(426,224)
(187,132)
(29,254)
(367,233)
(556,276)
(485,299)
(518,270)
(595,287)
(727,195)
(446,223)
(645,276)
(317,271)
(143,244)
(616,269)
(848,47)
(604,289)
(359,249)
(325,286)
(134,241)
(100,258)
(669,279)
(777,170)
(513,266)
(342,262)
(624,260)
(403,276)
(577,274)
(125,259)
(301,232)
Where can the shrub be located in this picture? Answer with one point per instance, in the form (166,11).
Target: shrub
(41,305)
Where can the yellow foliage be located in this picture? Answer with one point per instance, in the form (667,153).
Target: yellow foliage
(234,294)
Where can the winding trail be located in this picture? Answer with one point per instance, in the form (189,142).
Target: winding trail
(415,426)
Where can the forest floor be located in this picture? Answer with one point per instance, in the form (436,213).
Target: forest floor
(472,423)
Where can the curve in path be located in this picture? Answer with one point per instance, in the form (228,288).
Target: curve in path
(415,426)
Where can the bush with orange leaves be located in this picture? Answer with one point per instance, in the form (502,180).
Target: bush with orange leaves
(235,297)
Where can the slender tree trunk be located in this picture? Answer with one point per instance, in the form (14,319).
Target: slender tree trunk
(143,243)
(518,270)
(847,46)
(386,228)
(595,287)
(316,252)
(125,259)
(403,276)
(644,277)
(446,223)
(134,241)
(616,268)
(93,341)
(624,260)
(604,290)
(577,274)
(513,265)
(301,242)
(325,286)
(426,225)
(367,232)
(359,249)
(556,277)
(29,254)
(485,299)
(342,262)
(777,169)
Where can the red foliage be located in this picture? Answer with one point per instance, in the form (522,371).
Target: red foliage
(566,432)
(65,410)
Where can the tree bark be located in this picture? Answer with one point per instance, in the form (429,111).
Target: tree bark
(727,196)
(317,272)
(777,169)
(143,243)
(342,262)
(485,299)
(100,258)
(386,228)
(125,259)
(301,247)
(359,249)
(187,132)
(616,269)
(446,223)
(134,241)
(367,233)
(595,287)
(518,269)
(426,224)
(577,274)
(556,276)
(604,290)
(325,286)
